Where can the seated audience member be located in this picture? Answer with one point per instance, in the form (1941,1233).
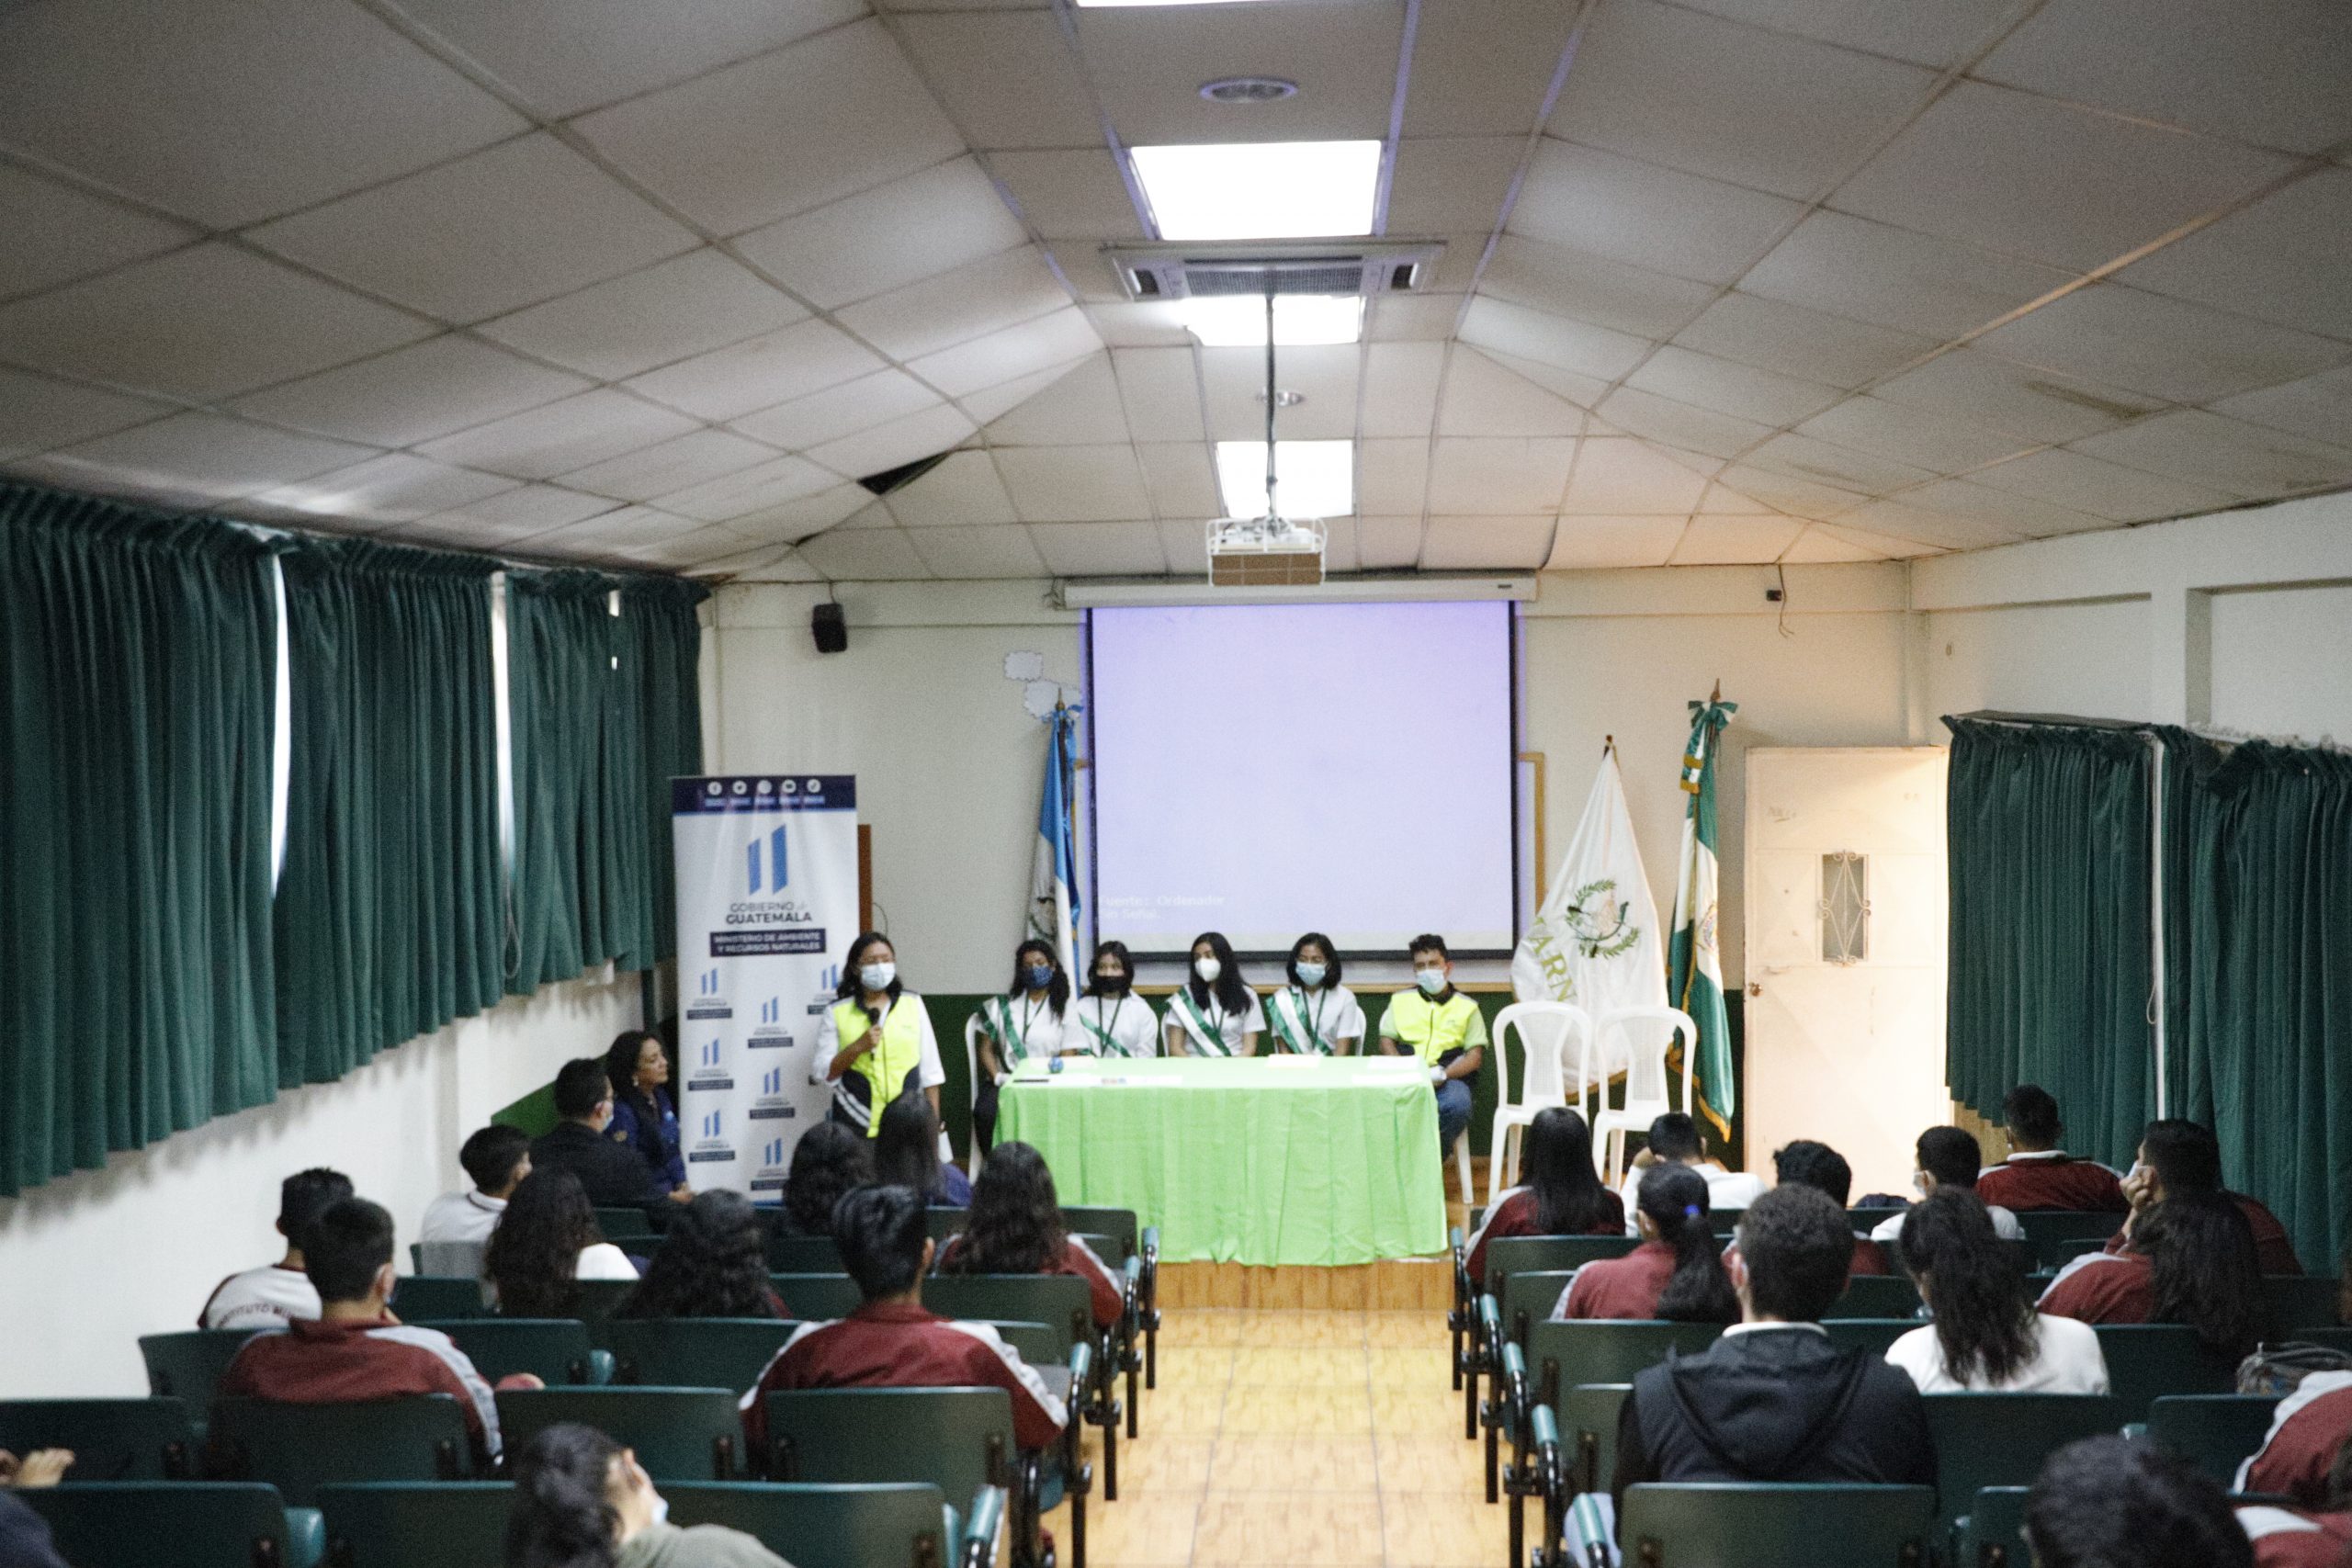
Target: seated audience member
(497,1158)
(1986,1337)
(2303,1456)
(2191,1261)
(830,1159)
(546,1243)
(2316,1535)
(713,1263)
(906,1154)
(645,1118)
(609,1171)
(1773,1400)
(280,1291)
(2112,1503)
(2038,1174)
(357,1351)
(583,1501)
(1563,1195)
(1823,1169)
(1444,1029)
(2177,1155)
(1675,1274)
(25,1541)
(1016,1228)
(1948,1157)
(1674,1140)
(890,1342)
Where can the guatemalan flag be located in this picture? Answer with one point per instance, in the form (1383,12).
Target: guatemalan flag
(1694,954)
(1053,880)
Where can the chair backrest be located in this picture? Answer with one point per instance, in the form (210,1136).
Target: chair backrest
(209,1524)
(1120,1225)
(1510,1255)
(1551,1035)
(2215,1432)
(1750,1525)
(300,1448)
(1060,1299)
(804,1255)
(1990,1537)
(942,1222)
(416,1524)
(2056,1233)
(958,1440)
(438,1297)
(111,1440)
(450,1259)
(695,1352)
(2299,1301)
(592,1301)
(817,1298)
(2147,1360)
(1649,1033)
(1564,1355)
(680,1434)
(1587,1418)
(1039,1344)
(186,1367)
(1876,1295)
(554,1349)
(2333,1338)
(1875,1335)
(2001,1440)
(1527,1297)
(896,1524)
(623,1223)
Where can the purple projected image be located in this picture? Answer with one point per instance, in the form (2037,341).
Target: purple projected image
(1265,770)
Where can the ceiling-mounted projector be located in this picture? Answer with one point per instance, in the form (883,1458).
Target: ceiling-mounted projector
(1266,552)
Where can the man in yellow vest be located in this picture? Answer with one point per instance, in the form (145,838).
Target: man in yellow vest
(1444,1029)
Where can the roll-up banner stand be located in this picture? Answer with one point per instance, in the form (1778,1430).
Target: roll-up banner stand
(768,907)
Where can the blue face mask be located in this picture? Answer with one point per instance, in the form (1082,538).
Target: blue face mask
(1037,976)
(1432,981)
(1310,974)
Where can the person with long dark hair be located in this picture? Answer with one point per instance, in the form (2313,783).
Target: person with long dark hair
(1016,1228)
(1986,1337)
(2191,1261)
(1032,1019)
(547,1240)
(1674,1273)
(1110,1020)
(828,1161)
(1315,1015)
(713,1263)
(874,1042)
(644,1116)
(1563,1195)
(906,1154)
(1213,1012)
(583,1501)
(2179,1155)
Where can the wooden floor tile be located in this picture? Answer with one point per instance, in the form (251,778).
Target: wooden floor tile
(1296,1529)
(1164,1462)
(1290,1463)
(1405,1410)
(1134,1532)
(1443,1530)
(1421,1463)
(1199,1325)
(1181,1411)
(1303,1412)
(1403,1330)
(1258,1365)
(1419,1367)
(1193,1366)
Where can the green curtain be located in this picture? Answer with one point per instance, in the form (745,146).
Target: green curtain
(2049,841)
(139,656)
(664,635)
(390,905)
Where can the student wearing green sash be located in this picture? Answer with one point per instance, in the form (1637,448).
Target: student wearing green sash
(1213,1012)
(1315,1015)
(874,1041)
(1110,1020)
(1030,1020)
(1443,1028)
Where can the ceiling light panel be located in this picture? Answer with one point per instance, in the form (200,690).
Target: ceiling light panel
(1260,190)
(1312,478)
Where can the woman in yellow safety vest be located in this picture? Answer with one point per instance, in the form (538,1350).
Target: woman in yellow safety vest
(874,1041)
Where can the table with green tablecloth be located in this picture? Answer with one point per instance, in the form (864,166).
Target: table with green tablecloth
(1266,1160)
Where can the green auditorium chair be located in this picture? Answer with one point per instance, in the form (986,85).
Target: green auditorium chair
(942,1222)
(209,1524)
(2001,1440)
(437,1298)
(592,1301)
(867,1525)
(416,1524)
(695,1352)
(817,1298)
(1566,1355)
(555,1350)
(625,1226)
(1992,1535)
(111,1440)
(2215,1432)
(1874,1335)
(1527,1297)
(1733,1525)
(2050,1229)
(2147,1360)
(1509,1255)
(2294,1301)
(1058,1299)
(300,1448)
(1117,1224)
(680,1434)
(1887,1296)
(803,1255)
(1587,1416)
(2333,1338)
(188,1366)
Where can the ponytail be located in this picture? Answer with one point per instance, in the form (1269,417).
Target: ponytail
(1675,1198)
(562,1515)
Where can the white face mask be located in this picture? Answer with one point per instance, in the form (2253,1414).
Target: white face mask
(661,1509)
(1431,980)
(877,977)
(1208,969)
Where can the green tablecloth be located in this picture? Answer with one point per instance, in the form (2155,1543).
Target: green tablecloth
(1263,1160)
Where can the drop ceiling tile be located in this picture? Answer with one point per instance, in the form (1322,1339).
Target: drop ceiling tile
(1074,484)
(203,323)
(1186,543)
(1469,476)
(991,404)
(1081,409)
(1482,70)
(846,105)
(395,488)
(227,111)
(541,443)
(1100,549)
(1804,457)
(1161,393)
(1030,348)
(1388,544)
(1645,215)
(36,414)
(2282,259)
(2165,348)
(705,550)
(1487,543)
(1805,498)
(606,535)
(2046,180)
(203,455)
(1001,551)
(1147,64)
(1616,474)
(1789,339)
(413,394)
(1006,79)
(2015,399)
(1339,545)
(777,483)
(668,312)
(1591,288)
(1679,425)
(1932,440)
(1551,340)
(2069,479)
(1482,398)
(760,372)
(1870,272)
(1070,193)
(1181,481)
(939,312)
(1736,103)
(1412,318)
(790,520)
(1734,541)
(1457,263)
(1582,390)
(907,439)
(1448,185)
(1152,324)
(1723,501)
(567,56)
(56,233)
(787,567)
(2246,460)
(1900,519)
(963,492)
(694,458)
(933,222)
(2319,407)
(1604,544)
(1392,476)
(1708,382)
(1926,35)
(1400,383)
(1325,377)
(491,520)
(1818,545)
(2010,509)
(838,411)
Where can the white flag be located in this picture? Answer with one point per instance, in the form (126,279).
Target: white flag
(1596,941)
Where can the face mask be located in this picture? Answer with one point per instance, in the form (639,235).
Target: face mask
(661,1509)
(877,976)
(1310,974)
(1432,981)
(1113,983)
(1036,977)
(1208,969)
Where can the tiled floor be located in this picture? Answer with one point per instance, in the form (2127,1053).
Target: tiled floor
(1330,1438)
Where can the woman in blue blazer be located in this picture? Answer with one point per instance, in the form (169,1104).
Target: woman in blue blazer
(644,1117)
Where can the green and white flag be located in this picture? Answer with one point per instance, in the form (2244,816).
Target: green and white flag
(1694,963)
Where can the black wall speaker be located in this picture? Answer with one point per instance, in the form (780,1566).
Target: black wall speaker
(826,625)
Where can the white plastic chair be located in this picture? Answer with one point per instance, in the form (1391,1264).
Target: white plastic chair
(972,1077)
(1544,1031)
(1645,1079)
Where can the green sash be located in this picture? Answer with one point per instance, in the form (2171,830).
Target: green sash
(1196,1024)
(1108,1044)
(1011,1045)
(1288,1008)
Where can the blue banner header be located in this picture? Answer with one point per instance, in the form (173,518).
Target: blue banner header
(763,792)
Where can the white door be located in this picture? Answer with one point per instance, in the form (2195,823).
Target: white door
(1846,914)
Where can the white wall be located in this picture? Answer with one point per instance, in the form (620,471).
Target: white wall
(89,1263)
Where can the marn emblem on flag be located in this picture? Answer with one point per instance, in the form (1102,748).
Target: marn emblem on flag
(1602,930)
(1705,935)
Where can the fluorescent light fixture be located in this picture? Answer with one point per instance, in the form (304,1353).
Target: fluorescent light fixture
(1312,478)
(1260,190)
(1238,320)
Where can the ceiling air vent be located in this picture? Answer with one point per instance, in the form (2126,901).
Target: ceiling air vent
(1369,267)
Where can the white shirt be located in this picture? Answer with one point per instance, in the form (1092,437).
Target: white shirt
(1725,1190)
(460,1217)
(603,1260)
(1040,1029)
(2005,1225)
(929,1075)
(267,1297)
(1128,1019)
(1332,1012)
(1230,1027)
(2067,1360)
